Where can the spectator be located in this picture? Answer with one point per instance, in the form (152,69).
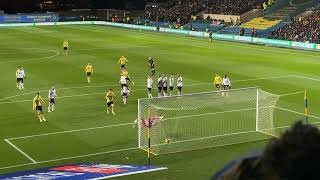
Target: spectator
(300,29)
(170,10)
(294,156)
(241,32)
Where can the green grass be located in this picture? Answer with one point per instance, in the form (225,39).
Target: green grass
(82,105)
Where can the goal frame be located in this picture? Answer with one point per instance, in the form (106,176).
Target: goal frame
(257,88)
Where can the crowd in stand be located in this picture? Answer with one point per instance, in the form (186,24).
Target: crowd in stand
(236,7)
(302,29)
(182,10)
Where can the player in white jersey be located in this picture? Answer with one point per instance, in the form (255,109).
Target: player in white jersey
(226,83)
(165,85)
(149,86)
(125,94)
(20,75)
(160,85)
(171,84)
(179,85)
(51,96)
(123,81)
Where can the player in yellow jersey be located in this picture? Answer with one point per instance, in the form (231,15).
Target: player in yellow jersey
(65,47)
(89,72)
(125,73)
(217,81)
(37,105)
(110,96)
(122,61)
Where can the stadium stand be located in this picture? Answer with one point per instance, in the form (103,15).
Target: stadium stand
(178,10)
(273,18)
(303,29)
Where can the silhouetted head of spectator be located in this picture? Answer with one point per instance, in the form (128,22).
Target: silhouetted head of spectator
(293,156)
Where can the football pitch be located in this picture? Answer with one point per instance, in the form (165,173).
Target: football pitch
(81,131)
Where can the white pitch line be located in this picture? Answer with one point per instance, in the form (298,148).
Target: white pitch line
(70,131)
(190,85)
(115,151)
(296,112)
(308,78)
(19,150)
(61,97)
(290,94)
(88,155)
(57,53)
(67,158)
(90,94)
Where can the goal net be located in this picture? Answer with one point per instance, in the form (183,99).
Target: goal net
(205,120)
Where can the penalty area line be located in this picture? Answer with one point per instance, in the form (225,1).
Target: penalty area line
(20,151)
(70,131)
(83,87)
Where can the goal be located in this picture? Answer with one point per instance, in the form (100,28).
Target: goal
(205,120)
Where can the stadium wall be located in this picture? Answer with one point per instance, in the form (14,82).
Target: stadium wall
(227,37)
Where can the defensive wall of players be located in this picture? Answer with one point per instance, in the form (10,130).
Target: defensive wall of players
(227,37)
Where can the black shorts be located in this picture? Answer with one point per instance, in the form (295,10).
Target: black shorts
(149,90)
(165,88)
(226,87)
(39,108)
(125,94)
(123,66)
(218,86)
(179,88)
(89,74)
(109,103)
(19,80)
(65,48)
(171,88)
(159,89)
(51,100)
(127,78)
(123,85)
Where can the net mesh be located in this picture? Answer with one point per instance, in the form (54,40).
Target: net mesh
(206,120)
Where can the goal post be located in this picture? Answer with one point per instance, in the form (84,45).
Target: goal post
(205,120)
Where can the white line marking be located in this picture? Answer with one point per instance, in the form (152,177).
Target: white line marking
(70,96)
(296,112)
(82,87)
(56,53)
(89,94)
(289,94)
(19,150)
(70,131)
(88,155)
(308,78)
(74,157)
(114,151)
